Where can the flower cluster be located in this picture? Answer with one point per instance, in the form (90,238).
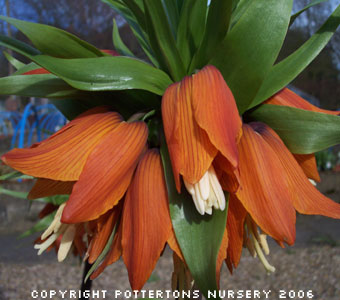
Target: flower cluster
(116,182)
(201,148)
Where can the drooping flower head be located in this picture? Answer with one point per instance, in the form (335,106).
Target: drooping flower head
(94,155)
(202,127)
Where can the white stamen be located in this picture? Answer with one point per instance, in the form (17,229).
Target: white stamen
(207,193)
(269,268)
(264,244)
(216,187)
(198,204)
(66,242)
(190,187)
(312,181)
(208,210)
(43,246)
(56,229)
(55,225)
(204,186)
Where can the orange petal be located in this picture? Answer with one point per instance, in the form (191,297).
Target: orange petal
(114,254)
(111,52)
(216,112)
(264,191)
(105,225)
(47,187)
(146,219)
(228,177)
(308,164)
(190,149)
(78,241)
(107,173)
(286,97)
(173,244)
(306,198)
(171,123)
(64,154)
(235,228)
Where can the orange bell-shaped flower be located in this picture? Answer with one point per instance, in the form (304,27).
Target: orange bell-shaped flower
(201,123)
(93,157)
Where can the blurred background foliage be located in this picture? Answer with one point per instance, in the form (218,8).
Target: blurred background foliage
(91,20)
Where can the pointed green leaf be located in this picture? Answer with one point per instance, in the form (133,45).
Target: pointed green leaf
(251,48)
(214,32)
(53,41)
(192,16)
(124,11)
(118,42)
(162,40)
(302,131)
(43,86)
(13,61)
(288,69)
(18,46)
(312,3)
(106,73)
(137,8)
(26,68)
(240,7)
(199,237)
(171,9)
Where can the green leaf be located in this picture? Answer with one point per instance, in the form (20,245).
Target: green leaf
(124,11)
(240,7)
(199,237)
(162,40)
(41,225)
(43,86)
(118,42)
(13,61)
(18,46)
(302,131)
(251,48)
(288,69)
(15,194)
(312,3)
(26,68)
(214,33)
(171,9)
(192,16)
(106,73)
(53,41)
(137,8)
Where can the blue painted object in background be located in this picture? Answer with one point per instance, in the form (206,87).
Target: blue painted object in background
(43,120)
(6,117)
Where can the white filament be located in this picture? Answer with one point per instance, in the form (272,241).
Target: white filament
(207,193)
(52,233)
